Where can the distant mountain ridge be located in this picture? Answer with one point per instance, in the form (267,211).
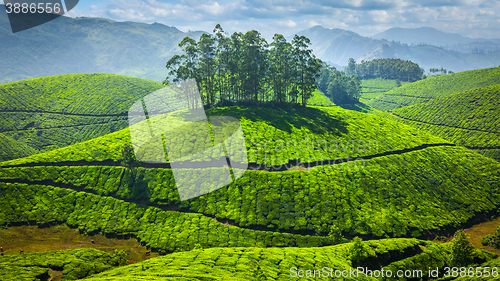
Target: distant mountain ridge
(337,46)
(96,45)
(432,36)
(88,45)
(426,35)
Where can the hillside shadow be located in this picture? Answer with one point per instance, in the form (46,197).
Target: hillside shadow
(285,119)
(360,107)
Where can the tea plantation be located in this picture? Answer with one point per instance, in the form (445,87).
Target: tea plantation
(399,256)
(435,87)
(373,194)
(318,176)
(469,118)
(45,113)
(374,197)
(73,264)
(372,88)
(275,136)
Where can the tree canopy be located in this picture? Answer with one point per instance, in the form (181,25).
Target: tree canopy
(244,68)
(399,69)
(337,86)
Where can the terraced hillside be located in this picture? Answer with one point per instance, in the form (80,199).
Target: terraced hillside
(46,113)
(397,257)
(43,114)
(435,87)
(69,264)
(410,184)
(276,136)
(372,88)
(468,119)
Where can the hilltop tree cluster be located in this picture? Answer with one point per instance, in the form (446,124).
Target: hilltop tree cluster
(442,70)
(244,68)
(340,88)
(396,69)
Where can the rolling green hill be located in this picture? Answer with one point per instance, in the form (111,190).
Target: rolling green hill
(372,88)
(46,113)
(316,175)
(435,87)
(409,183)
(42,114)
(469,118)
(73,264)
(258,264)
(396,257)
(306,134)
(319,99)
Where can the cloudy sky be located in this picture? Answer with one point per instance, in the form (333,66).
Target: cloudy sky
(473,18)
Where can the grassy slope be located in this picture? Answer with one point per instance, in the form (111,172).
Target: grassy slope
(73,264)
(372,88)
(469,118)
(319,99)
(336,133)
(161,230)
(31,238)
(253,263)
(395,255)
(43,114)
(46,113)
(409,193)
(435,87)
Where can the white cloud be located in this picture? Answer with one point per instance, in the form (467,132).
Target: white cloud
(363,16)
(379,16)
(288,23)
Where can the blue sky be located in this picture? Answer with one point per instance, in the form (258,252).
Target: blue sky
(473,18)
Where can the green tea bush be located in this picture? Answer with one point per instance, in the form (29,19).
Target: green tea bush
(249,263)
(274,137)
(319,99)
(468,118)
(165,231)
(46,113)
(435,87)
(74,264)
(389,195)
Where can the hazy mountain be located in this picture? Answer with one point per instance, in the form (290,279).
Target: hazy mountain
(337,46)
(81,45)
(423,35)
(432,36)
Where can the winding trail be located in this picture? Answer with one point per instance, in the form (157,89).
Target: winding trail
(251,166)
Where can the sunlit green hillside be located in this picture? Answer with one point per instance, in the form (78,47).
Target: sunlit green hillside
(389,179)
(46,113)
(435,87)
(276,136)
(468,118)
